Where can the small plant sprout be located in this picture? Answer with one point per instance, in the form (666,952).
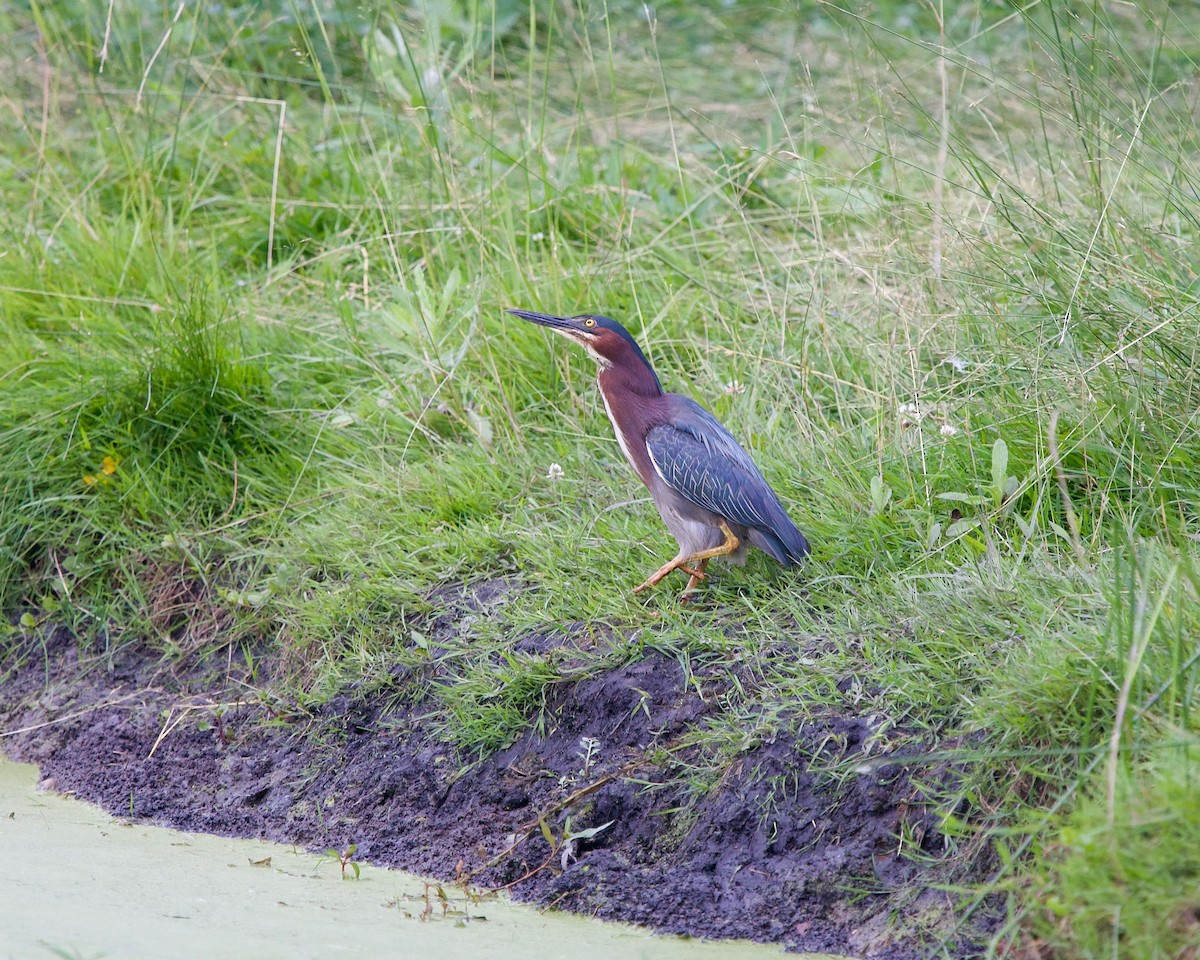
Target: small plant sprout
(564,848)
(1003,486)
(439,893)
(589,753)
(462,878)
(345,860)
(998,493)
(219,711)
(571,838)
(219,715)
(881,494)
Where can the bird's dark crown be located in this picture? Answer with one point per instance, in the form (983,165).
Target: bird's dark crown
(610,326)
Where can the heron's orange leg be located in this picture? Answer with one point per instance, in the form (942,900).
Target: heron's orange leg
(700,559)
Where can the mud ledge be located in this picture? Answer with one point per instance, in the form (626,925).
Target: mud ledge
(774,853)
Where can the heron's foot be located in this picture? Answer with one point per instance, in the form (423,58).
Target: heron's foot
(679,563)
(698,562)
(654,578)
(689,592)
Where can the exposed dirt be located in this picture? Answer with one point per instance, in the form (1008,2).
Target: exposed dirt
(775,853)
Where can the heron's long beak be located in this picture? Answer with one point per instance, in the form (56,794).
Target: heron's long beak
(560,324)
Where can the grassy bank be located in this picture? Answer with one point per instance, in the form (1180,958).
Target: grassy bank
(938,274)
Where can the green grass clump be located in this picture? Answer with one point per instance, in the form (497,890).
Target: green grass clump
(1123,876)
(932,266)
(116,452)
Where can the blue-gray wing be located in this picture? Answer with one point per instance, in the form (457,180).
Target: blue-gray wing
(700,459)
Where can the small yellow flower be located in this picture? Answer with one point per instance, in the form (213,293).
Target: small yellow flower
(108,466)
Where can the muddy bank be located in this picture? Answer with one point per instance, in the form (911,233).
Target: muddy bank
(775,852)
(143,892)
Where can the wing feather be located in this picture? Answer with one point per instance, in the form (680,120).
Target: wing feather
(698,458)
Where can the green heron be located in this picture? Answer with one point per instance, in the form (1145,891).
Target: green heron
(710,494)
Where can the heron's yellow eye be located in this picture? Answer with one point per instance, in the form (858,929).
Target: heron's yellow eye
(589,322)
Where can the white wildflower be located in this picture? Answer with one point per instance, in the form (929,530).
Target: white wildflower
(948,430)
(555,472)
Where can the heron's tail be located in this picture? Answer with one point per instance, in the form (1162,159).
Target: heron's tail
(783,541)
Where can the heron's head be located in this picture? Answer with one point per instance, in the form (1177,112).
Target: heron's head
(609,343)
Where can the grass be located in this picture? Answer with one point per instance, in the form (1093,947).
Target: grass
(937,273)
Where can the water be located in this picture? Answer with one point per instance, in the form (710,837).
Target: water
(75,882)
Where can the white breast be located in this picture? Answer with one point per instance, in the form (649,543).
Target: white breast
(621,439)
